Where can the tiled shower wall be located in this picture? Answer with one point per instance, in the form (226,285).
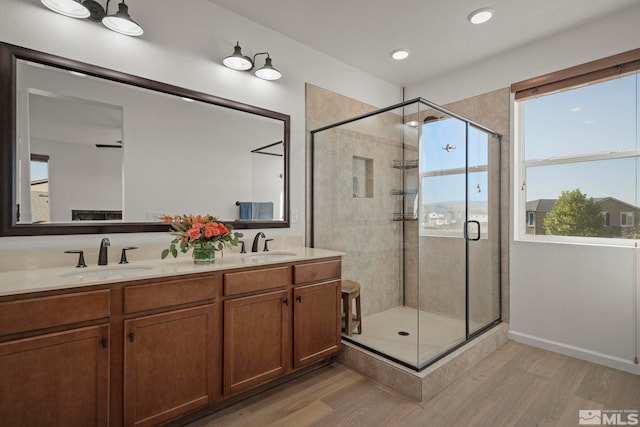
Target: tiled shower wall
(357,222)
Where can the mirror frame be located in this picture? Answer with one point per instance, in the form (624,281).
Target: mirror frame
(9,54)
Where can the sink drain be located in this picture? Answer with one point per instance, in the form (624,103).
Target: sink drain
(403,333)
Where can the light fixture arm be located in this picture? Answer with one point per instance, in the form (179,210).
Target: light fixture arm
(259,53)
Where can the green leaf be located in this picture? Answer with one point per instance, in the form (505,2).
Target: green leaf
(164,253)
(174,252)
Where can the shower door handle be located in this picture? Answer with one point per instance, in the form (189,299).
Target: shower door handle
(466,231)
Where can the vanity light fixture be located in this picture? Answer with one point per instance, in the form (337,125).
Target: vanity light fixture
(267,72)
(480,16)
(119,22)
(238,61)
(70,8)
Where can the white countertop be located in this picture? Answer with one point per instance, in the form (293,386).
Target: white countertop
(48,279)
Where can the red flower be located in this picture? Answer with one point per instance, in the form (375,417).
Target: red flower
(194,232)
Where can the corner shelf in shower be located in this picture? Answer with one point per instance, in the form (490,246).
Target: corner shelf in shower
(403,217)
(405,164)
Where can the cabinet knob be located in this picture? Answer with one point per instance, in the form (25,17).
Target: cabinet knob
(131,336)
(286,301)
(299,299)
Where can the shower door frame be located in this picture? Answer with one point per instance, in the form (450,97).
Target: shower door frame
(469,336)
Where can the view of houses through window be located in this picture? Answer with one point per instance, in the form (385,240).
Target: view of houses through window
(580,165)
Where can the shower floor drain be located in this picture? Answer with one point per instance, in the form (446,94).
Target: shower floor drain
(404,333)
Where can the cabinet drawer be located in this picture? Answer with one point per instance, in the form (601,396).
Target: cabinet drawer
(48,312)
(167,294)
(255,280)
(316,271)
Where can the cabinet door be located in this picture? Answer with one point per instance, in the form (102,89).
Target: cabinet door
(59,379)
(316,322)
(255,339)
(169,364)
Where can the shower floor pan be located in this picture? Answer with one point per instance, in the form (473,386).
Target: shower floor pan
(409,336)
(387,352)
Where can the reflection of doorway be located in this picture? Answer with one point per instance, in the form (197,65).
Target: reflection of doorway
(40,211)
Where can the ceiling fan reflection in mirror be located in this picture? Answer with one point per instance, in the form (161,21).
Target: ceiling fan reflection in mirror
(118,144)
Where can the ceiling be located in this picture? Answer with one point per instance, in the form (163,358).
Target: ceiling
(436,32)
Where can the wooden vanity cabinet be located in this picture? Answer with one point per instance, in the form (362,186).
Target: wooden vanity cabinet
(256,319)
(290,320)
(56,378)
(170,356)
(316,322)
(156,351)
(255,339)
(316,311)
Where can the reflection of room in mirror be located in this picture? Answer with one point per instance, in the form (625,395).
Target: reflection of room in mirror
(75,152)
(196,156)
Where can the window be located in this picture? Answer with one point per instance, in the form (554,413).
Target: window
(454,178)
(579,158)
(626,219)
(531,219)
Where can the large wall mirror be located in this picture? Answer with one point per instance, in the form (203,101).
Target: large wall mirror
(90,150)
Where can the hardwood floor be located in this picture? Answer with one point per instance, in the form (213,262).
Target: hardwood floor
(518,385)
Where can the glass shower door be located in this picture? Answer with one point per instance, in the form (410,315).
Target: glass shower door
(442,266)
(482,237)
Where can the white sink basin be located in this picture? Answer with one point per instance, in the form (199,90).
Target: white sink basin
(266,256)
(92,273)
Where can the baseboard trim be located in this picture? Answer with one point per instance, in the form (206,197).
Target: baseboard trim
(577,352)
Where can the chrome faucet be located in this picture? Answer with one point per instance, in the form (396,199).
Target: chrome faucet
(254,247)
(102,255)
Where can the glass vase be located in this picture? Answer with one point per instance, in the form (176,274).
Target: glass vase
(204,254)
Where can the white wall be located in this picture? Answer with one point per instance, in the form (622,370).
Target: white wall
(574,299)
(184,46)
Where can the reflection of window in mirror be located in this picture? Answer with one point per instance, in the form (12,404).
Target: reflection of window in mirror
(40,188)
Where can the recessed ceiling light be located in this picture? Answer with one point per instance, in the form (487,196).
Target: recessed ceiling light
(412,124)
(399,54)
(480,16)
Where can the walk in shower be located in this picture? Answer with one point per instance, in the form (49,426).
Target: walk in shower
(410,194)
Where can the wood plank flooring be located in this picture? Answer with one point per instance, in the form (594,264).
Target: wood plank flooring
(518,385)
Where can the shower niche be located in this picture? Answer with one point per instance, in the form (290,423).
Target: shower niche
(423,242)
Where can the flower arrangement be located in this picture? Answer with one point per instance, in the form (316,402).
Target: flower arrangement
(205,234)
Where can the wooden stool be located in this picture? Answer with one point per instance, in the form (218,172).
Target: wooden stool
(351,291)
